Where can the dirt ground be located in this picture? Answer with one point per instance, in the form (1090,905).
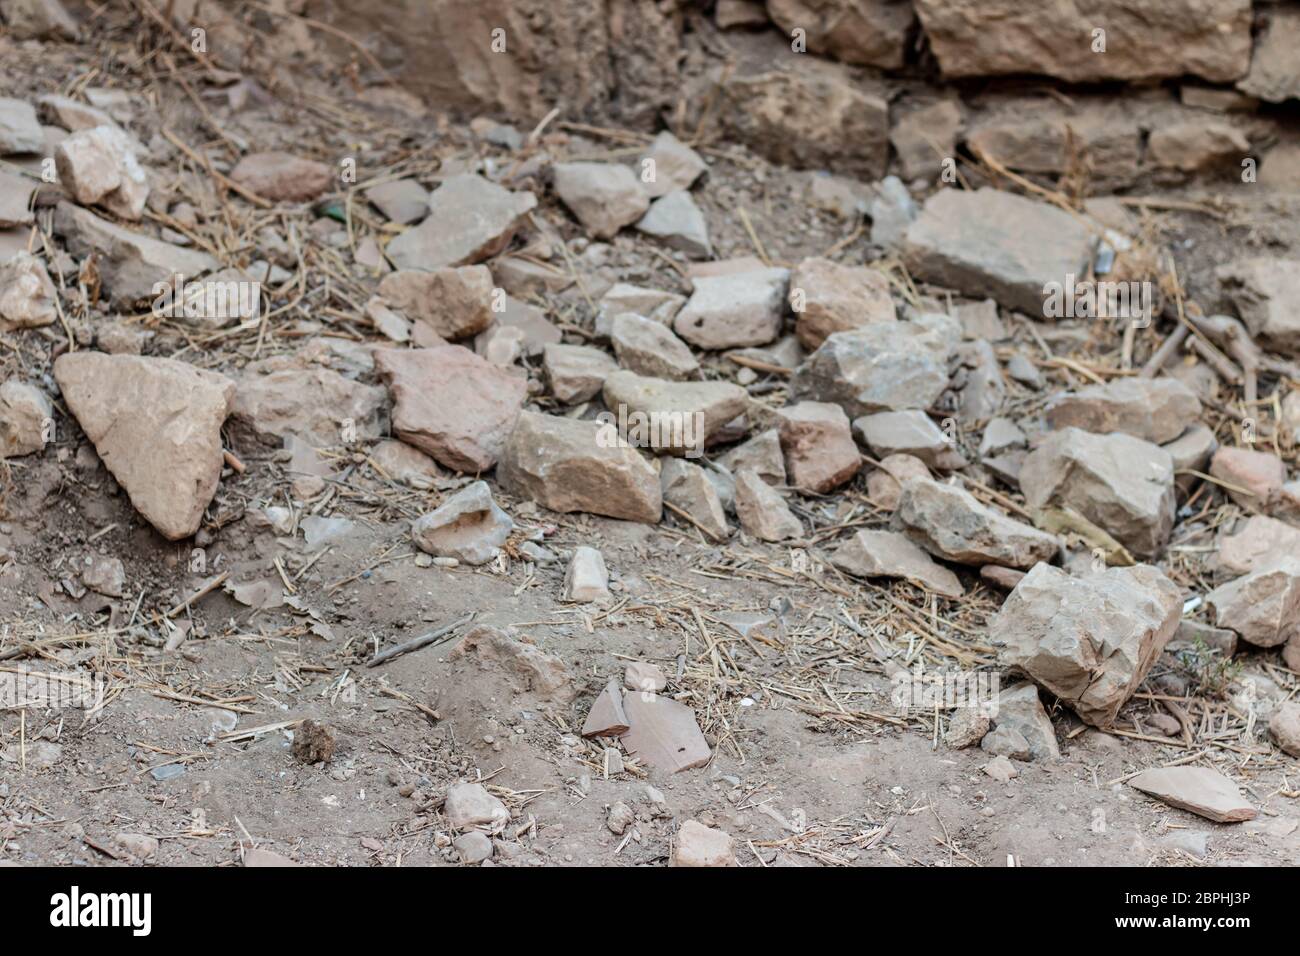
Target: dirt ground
(811,765)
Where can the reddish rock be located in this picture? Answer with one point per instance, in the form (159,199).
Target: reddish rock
(1257,476)
(820,453)
(283,176)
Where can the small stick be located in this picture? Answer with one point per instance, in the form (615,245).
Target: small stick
(202,592)
(424,640)
(1166,351)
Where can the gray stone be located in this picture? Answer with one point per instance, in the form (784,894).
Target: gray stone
(649,348)
(885,367)
(687,486)
(733,311)
(909,432)
(576,372)
(949,523)
(1154,409)
(676,165)
(469,220)
(26,419)
(468,526)
(688,414)
(604,197)
(892,555)
(1198,790)
(586,578)
(1262,606)
(20,130)
(677,221)
(761,454)
(762,511)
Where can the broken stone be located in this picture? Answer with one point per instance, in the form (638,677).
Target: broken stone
(870,554)
(604,197)
(1089,640)
(1000,577)
(469,220)
(313,743)
(454,303)
(820,454)
(884,367)
(1260,542)
(678,223)
(700,846)
(925,137)
(644,677)
(1262,606)
(1006,741)
(470,805)
(1191,635)
(532,669)
(650,348)
(576,372)
(156,424)
(15,202)
(980,320)
(828,297)
(569,465)
(468,526)
(1272,75)
(1198,790)
(1001,770)
(910,433)
(26,419)
(1019,709)
(523,277)
(20,131)
(402,201)
(966,728)
(676,166)
(99,167)
(1022,370)
(1263,289)
(762,511)
(538,331)
(307,401)
(387,322)
(586,579)
(39,20)
(663,733)
(1284,725)
(986,242)
(885,484)
(762,455)
(606,717)
(687,486)
(1191,452)
(1195,145)
(105,576)
(892,211)
(473,847)
(451,404)
(1256,477)
(949,523)
(1154,409)
(733,311)
(280,176)
(1001,434)
(653,304)
(1122,484)
(688,414)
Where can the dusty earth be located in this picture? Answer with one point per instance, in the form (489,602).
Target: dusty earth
(811,764)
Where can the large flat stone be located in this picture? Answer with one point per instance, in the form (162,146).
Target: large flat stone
(469,219)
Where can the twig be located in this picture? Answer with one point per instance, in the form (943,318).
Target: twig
(424,640)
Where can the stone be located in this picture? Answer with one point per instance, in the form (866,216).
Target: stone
(470,805)
(1001,770)
(870,554)
(911,433)
(26,419)
(653,304)
(501,345)
(454,303)
(1024,371)
(1001,434)
(762,511)
(104,575)
(156,424)
(998,37)
(606,717)
(538,331)
(387,322)
(733,311)
(1262,606)
(1122,484)
(926,136)
(1260,542)
(402,201)
(1005,741)
(532,670)
(1191,451)
(1020,709)
(861,32)
(1256,477)
(884,367)
(1263,289)
(644,677)
(131,266)
(280,176)
(1089,640)
(649,348)
(468,526)
(949,523)
(1273,75)
(885,484)
(676,221)
(1195,145)
(1284,725)
(1154,409)
(688,414)
(1004,578)
(20,130)
(676,165)
(762,454)
(686,486)
(15,202)
(699,846)
(452,405)
(966,727)
(469,220)
(576,372)
(473,847)
(257,856)
(663,733)
(586,579)
(604,197)
(523,277)
(39,20)
(892,211)
(303,400)
(990,243)
(980,320)
(99,167)
(568,465)
(1198,790)
(828,297)
(820,454)
(983,390)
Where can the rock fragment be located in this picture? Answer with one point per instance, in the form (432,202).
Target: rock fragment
(676,166)
(606,717)
(20,130)
(700,846)
(455,302)
(469,220)
(1253,479)
(280,176)
(820,454)
(577,373)
(663,733)
(1259,543)
(828,297)
(649,348)
(883,367)
(99,167)
(402,201)
(870,554)
(604,197)
(1198,790)
(762,454)
(39,20)
(278,400)
(654,304)
(1262,606)
(949,523)
(1157,410)
(1284,725)
(1263,288)
(15,202)
(912,433)
(677,417)
(687,486)
(469,526)
(470,805)
(762,511)
(644,677)
(885,484)
(1019,708)
(26,419)
(676,221)
(586,579)
(734,311)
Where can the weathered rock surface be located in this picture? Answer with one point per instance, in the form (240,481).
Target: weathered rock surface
(26,293)
(99,167)
(649,348)
(663,733)
(949,523)
(1198,790)
(700,846)
(469,526)
(586,578)
(402,201)
(820,454)
(1154,409)
(676,221)
(1120,483)
(454,303)
(451,404)
(1262,606)
(879,368)
(862,32)
(470,804)
(1264,290)
(577,373)
(469,219)
(885,484)
(277,400)
(1254,479)
(910,432)
(1273,75)
(1089,640)
(282,176)
(20,130)
(676,165)
(1259,543)
(888,554)
(679,417)
(156,424)
(733,311)
(26,415)
(762,511)
(1284,725)
(761,454)
(569,465)
(828,297)
(604,197)
(1019,709)
(686,486)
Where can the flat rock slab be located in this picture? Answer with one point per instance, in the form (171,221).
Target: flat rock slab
(1198,790)
(1155,410)
(679,417)
(469,219)
(734,310)
(950,523)
(156,424)
(1264,605)
(889,554)
(991,243)
(663,733)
